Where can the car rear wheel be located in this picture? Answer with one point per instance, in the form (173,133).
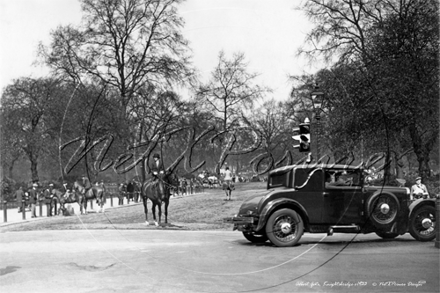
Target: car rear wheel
(382,209)
(387,235)
(285,228)
(255,238)
(422,223)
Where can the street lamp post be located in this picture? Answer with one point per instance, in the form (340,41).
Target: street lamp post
(317,97)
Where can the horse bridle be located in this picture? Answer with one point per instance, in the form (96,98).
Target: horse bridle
(166,183)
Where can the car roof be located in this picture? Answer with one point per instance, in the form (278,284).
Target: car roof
(316,166)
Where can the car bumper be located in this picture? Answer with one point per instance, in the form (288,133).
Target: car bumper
(241,223)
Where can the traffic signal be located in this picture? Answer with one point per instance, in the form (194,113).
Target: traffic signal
(296,137)
(304,135)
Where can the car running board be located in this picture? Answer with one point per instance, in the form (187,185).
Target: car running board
(348,228)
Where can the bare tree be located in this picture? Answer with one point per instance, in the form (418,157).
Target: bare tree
(126,44)
(231,88)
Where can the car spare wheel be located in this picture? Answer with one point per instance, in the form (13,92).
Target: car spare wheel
(382,209)
(284,227)
(255,238)
(422,223)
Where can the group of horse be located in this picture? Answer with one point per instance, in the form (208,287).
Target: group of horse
(158,190)
(79,194)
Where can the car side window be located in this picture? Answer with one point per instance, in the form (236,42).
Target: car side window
(308,179)
(342,178)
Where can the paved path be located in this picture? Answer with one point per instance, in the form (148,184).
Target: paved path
(211,261)
(13,216)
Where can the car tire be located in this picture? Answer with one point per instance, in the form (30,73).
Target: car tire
(422,223)
(255,238)
(284,228)
(382,209)
(387,235)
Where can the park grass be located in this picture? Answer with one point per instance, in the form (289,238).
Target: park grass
(200,211)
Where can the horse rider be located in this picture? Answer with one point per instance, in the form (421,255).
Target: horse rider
(68,191)
(156,167)
(87,184)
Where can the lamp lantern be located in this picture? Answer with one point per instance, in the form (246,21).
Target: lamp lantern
(317,98)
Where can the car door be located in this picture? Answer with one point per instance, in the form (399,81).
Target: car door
(342,204)
(309,185)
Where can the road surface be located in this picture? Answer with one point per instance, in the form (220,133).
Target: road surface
(163,260)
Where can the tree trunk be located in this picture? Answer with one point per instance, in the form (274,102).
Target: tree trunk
(398,166)
(10,169)
(34,170)
(422,148)
(424,170)
(398,161)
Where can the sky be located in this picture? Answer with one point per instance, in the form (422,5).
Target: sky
(268,32)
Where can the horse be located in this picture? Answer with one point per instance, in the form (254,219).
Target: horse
(68,197)
(95,192)
(158,191)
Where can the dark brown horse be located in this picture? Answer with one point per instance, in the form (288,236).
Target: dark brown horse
(95,192)
(158,191)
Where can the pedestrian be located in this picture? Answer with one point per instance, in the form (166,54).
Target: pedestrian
(183,186)
(122,193)
(130,191)
(48,195)
(19,196)
(419,190)
(227,183)
(191,186)
(33,198)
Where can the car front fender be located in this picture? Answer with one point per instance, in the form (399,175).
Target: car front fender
(271,206)
(420,202)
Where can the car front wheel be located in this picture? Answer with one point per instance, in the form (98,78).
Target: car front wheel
(422,223)
(255,238)
(285,228)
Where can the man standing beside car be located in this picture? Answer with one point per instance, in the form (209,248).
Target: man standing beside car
(419,190)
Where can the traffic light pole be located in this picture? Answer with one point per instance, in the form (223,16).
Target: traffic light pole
(318,134)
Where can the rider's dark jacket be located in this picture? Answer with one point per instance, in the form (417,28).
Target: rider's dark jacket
(156,168)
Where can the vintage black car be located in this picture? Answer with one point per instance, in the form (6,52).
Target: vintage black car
(327,199)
